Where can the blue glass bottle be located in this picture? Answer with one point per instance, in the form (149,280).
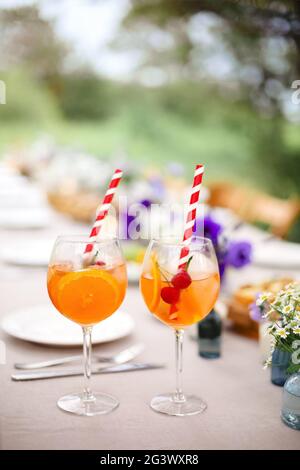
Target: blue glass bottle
(280,363)
(209,336)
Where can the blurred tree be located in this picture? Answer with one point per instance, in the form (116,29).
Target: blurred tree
(259,39)
(28,100)
(84,96)
(27,39)
(245,51)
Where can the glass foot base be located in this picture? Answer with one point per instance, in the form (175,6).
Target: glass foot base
(169,405)
(98,405)
(291,419)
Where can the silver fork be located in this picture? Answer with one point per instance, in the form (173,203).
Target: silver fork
(120,358)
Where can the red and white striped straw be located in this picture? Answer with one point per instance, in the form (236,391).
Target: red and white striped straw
(104,208)
(191,217)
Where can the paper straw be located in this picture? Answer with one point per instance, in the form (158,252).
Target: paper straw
(191,217)
(105,206)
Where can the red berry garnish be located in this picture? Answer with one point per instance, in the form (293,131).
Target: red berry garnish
(181,280)
(170,295)
(100,263)
(97,265)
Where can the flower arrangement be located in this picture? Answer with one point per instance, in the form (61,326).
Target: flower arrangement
(236,254)
(283,311)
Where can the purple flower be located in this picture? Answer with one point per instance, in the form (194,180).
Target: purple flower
(212,229)
(238,254)
(146,202)
(222,263)
(256,312)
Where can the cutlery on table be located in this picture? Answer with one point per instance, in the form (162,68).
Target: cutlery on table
(120,358)
(41,374)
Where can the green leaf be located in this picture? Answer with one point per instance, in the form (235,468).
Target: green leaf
(293,368)
(188,263)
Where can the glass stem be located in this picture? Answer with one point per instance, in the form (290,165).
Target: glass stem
(179,396)
(87,360)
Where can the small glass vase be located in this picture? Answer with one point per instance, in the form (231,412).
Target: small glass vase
(209,336)
(290,413)
(280,363)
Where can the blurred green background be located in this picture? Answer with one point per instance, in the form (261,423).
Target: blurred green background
(211,83)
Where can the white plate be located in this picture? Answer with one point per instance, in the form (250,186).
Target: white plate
(19,219)
(17,198)
(277,254)
(44,325)
(269,253)
(7,171)
(36,253)
(13,181)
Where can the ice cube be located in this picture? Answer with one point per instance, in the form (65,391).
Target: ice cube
(199,266)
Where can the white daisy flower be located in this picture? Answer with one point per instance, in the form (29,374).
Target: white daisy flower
(281,332)
(296,330)
(263,298)
(287,309)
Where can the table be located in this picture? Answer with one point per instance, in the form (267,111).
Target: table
(243,406)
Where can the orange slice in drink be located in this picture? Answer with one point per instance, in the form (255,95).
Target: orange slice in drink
(88,296)
(55,274)
(156,285)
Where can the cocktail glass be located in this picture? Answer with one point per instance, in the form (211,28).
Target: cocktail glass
(87,288)
(179,298)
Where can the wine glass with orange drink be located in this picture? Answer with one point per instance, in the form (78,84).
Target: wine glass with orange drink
(86,283)
(179,298)
(180,284)
(87,288)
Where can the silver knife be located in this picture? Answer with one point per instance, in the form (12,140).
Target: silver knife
(123,356)
(42,374)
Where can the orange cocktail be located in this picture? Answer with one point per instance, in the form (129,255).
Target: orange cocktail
(87,287)
(180,294)
(86,296)
(193,303)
